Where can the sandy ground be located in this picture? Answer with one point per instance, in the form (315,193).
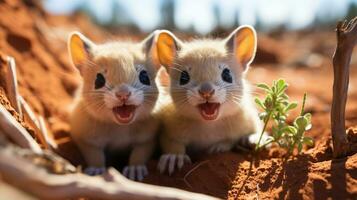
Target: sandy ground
(48,82)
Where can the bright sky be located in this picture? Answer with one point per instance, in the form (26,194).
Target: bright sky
(200,15)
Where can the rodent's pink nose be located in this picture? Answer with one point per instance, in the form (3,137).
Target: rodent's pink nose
(206,94)
(123,96)
(206,91)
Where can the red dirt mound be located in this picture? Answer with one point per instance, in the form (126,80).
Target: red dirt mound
(48,82)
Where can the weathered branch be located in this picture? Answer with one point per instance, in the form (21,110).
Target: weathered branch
(37,181)
(346,40)
(31,119)
(16,132)
(49,141)
(11,85)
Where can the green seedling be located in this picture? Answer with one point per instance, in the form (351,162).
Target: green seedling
(276,107)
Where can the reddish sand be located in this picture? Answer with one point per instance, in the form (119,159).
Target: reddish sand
(48,82)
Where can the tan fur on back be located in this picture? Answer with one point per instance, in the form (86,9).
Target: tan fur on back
(182,123)
(94,126)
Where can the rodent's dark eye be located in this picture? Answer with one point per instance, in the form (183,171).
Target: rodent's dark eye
(185,78)
(226,76)
(144,77)
(99,81)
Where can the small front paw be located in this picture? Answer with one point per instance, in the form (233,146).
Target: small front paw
(254,138)
(170,161)
(249,142)
(135,172)
(93,171)
(220,148)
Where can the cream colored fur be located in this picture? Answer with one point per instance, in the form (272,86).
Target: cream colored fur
(184,127)
(93,125)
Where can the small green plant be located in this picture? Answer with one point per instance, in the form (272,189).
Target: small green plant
(276,107)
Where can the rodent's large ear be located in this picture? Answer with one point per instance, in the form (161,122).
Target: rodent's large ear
(150,48)
(242,43)
(79,48)
(167,47)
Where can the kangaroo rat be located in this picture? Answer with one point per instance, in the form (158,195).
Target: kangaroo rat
(116,102)
(211,108)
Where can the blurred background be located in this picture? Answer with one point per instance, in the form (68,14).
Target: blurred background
(296,39)
(208,16)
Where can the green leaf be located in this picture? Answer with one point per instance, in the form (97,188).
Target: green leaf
(264,87)
(284,102)
(259,103)
(281,86)
(281,83)
(308,141)
(290,129)
(282,118)
(301,122)
(291,106)
(308,117)
(269,140)
(284,96)
(277,134)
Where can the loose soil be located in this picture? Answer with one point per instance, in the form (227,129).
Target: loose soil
(48,83)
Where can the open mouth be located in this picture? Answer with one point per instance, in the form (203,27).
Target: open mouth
(209,111)
(125,113)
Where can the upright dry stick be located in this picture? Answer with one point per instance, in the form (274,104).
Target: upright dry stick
(346,40)
(31,119)
(49,141)
(11,85)
(18,134)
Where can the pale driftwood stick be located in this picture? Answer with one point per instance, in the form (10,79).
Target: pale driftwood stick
(346,40)
(10,192)
(16,132)
(35,180)
(28,112)
(11,85)
(38,124)
(30,117)
(49,141)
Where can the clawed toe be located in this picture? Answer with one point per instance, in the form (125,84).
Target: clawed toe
(170,161)
(93,171)
(135,172)
(219,149)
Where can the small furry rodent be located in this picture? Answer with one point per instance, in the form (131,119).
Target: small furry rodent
(211,108)
(114,109)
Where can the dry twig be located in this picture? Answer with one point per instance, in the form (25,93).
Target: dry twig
(11,85)
(49,141)
(192,170)
(112,185)
(18,134)
(346,40)
(30,117)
